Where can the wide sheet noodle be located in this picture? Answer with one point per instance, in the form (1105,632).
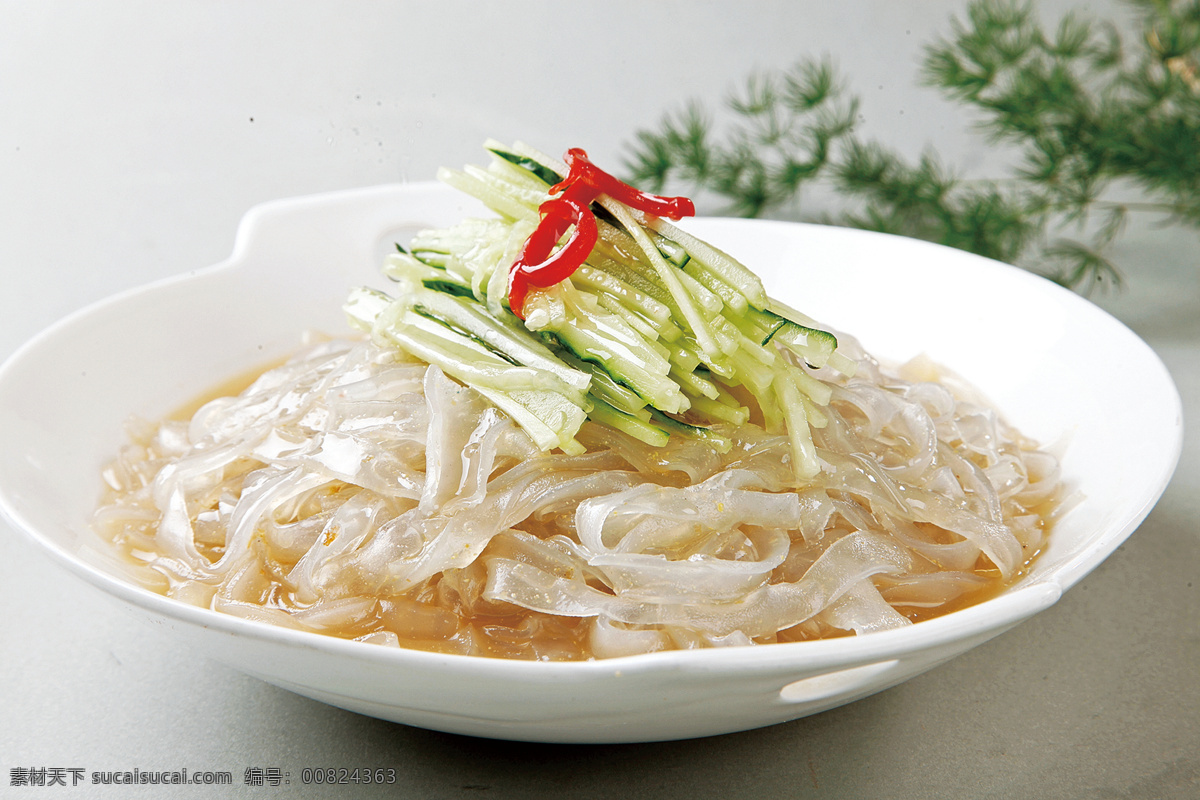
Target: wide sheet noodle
(354,493)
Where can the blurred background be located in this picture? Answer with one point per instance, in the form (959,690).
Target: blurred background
(135,135)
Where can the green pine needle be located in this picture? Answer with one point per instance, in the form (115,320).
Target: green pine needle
(1083,108)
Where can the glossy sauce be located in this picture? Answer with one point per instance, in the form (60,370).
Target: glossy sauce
(448,613)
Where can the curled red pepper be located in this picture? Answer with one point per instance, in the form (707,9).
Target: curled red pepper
(536,265)
(583,169)
(539,264)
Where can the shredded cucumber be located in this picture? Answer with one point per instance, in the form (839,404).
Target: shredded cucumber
(653,335)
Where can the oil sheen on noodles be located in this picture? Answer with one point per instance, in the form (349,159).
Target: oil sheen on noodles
(573,430)
(360,493)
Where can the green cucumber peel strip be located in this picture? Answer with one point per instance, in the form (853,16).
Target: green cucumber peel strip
(637,428)
(541,172)
(660,322)
(721,444)
(812,344)
(448,287)
(509,341)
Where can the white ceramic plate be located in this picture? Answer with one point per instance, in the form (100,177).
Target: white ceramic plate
(1055,364)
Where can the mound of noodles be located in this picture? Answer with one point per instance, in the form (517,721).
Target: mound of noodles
(352,492)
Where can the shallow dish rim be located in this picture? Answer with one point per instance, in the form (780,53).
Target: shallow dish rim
(1009,607)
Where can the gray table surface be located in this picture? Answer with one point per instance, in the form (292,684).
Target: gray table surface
(134,140)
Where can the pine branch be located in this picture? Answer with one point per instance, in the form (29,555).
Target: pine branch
(790,123)
(1083,108)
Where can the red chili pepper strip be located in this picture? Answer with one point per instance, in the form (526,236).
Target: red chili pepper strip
(583,169)
(538,265)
